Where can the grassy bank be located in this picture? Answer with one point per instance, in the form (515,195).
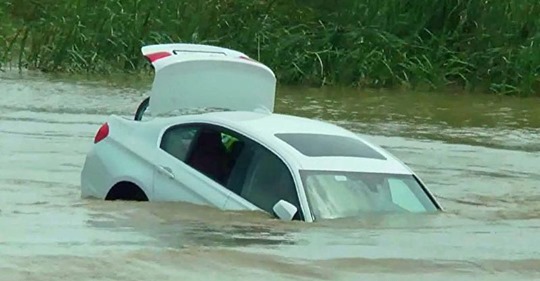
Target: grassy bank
(474,44)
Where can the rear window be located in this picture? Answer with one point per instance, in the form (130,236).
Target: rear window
(319,145)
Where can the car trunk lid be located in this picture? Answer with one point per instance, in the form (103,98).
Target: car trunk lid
(190,76)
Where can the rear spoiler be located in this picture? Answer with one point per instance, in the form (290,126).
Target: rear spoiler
(154,53)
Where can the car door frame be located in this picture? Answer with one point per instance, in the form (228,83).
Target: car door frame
(222,191)
(304,208)
(261,147)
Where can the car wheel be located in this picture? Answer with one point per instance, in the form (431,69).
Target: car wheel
(141,109)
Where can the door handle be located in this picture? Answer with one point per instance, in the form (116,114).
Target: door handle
(166,171)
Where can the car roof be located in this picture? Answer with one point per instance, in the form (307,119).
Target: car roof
(267,128)
(261,123)
(275,123)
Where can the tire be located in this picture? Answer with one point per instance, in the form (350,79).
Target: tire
(143,106)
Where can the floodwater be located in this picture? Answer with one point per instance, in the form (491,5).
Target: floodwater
(480,155)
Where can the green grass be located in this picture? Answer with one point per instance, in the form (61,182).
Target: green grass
(458,44)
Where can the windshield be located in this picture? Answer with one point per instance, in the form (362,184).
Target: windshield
(335,194)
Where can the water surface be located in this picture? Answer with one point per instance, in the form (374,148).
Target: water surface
(479,155)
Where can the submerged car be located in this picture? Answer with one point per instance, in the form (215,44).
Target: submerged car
(241,155)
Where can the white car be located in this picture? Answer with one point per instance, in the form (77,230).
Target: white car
(241,155)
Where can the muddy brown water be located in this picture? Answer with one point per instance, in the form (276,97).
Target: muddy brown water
(480,155)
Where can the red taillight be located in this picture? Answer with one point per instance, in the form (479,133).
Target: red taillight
(156,56)
(102,133)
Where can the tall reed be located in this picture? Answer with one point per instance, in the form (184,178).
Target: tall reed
(473,44)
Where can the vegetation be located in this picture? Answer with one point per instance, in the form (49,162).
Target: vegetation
(474,44)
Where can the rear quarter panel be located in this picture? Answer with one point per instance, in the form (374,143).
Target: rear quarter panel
(125,155)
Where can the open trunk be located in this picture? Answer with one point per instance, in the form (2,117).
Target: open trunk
(189,76)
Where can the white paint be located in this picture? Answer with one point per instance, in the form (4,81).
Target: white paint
(131,152)
(200,76)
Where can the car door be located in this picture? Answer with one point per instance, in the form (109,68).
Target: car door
(262,178)
(175,179)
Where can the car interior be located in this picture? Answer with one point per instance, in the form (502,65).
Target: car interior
(255,174)
(209,155)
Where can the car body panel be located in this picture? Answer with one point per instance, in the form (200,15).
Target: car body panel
(121,157)
(187,49)
(192,76)
(263,127)
(197,76)
(259,127)
(228,121)
(174,181)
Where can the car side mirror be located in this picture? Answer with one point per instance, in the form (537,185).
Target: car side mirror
(284,210)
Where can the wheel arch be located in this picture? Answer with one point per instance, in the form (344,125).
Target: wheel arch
(126,190)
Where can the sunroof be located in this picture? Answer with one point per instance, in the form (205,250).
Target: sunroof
(319,145)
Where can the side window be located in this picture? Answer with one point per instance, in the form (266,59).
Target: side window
(403,196)
(177,140)
(239,164)
(268,180)
(211,150)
